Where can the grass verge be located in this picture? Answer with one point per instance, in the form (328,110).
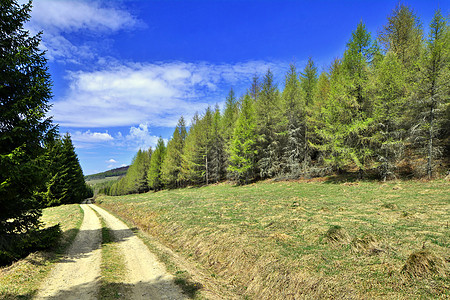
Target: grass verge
(303,239)
(171,261)
(113,267)
(21,280)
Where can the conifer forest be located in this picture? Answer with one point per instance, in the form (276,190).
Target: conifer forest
(380,111)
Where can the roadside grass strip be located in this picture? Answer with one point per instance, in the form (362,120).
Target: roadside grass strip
(22,279)
(113,269)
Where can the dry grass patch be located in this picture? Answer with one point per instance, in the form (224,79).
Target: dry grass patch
(424,263)
(338,235)
(278,240)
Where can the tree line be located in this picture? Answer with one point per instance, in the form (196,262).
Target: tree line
(381,109)
(38,167)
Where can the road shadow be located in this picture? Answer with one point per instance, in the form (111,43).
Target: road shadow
(152,290)
(88,241)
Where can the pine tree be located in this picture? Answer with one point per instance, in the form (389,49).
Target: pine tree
(243,152)
(25,89)
(156,161)
(434,90)
(171,168)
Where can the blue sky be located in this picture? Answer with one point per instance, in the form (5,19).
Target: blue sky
(125,71)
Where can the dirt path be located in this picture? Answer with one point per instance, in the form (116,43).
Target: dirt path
(147,276)
(77,276)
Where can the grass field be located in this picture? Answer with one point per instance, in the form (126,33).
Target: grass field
(317,239)
(102,180)
(22,279)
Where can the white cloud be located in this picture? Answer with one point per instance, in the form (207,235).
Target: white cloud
(111,161)
(89,136)
(139,137)
(153,94)
(59,18)
(70,16)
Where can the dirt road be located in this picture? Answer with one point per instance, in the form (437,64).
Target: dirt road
(78,274)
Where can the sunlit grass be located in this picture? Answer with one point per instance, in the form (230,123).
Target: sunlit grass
(22,279)
(268,240)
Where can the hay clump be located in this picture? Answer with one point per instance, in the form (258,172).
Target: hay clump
(423,263)
(338,235)
(367,244)
(390,205)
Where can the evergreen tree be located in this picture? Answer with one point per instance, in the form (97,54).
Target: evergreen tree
(334,123)
(192,158)
(136,177)
(295,114)
(228,121)
(308,81)
(255,88)
(156,161)
(403,36)
(270,128)
(434,90)
(171,168)
(24,95)
(243,152)
(67,183)
(389,85)
(217,149)
(356,62)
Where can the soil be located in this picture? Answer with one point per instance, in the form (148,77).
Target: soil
(77,275)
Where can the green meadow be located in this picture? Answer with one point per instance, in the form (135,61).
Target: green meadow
(304,239)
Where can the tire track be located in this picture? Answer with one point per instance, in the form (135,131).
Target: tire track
(146,276)
(77,275)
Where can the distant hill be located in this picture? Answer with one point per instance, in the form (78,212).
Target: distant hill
(110,173)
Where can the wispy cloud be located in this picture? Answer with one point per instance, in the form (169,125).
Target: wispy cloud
(153,94)
(70,16)
(59,19)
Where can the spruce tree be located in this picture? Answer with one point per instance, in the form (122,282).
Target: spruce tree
(67,184)
(25,89)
